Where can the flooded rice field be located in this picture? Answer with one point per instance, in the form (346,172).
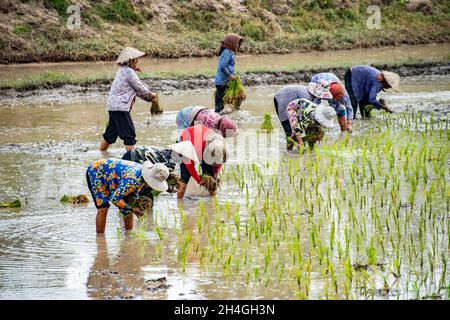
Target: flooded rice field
(360,217)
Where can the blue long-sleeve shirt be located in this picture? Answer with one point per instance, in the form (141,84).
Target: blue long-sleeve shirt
(365,84)
(338,105)
(225,67)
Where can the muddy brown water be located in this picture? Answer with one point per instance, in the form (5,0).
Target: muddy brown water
(50,251)
(296,60)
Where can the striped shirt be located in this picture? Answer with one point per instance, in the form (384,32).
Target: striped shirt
(125,87)
(287,94)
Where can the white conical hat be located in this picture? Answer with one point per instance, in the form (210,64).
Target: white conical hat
(325,115)
(128,54)
(186,149)
(392,79)
(155,175)
(216,151)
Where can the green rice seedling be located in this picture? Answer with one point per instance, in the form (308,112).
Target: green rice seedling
(235,93)
(267,123)
(64,199)
(155,108)
(13,204)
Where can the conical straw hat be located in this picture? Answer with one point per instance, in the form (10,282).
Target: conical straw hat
(325,115)
(128,54)
(186,149)
(392,79)
(155,175)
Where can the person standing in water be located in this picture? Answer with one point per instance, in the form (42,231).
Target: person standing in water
(121,182)
(225,70)
(314,92)
(305,117)
(125,87)
(363,83)
(340,101)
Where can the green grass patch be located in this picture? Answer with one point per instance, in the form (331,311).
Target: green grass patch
(60,6)
(22,29)
(121,11)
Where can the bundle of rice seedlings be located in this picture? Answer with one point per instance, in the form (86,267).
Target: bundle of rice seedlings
(210,183)
(173,181)
(143,203)
(235,93)
(155,107)
(74,199)
(366,111)
(13,204)
(314,134)
(267,123)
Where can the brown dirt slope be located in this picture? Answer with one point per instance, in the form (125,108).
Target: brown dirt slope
(36,30)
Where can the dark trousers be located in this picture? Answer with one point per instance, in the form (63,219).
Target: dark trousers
(220,93)
(207,169)
(355,103)
(286,126)
(120,125)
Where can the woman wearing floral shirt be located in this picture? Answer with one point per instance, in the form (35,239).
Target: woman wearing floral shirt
(304,114)
(119,182)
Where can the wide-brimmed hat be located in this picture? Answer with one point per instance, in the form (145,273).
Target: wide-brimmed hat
(320,89)
(194,113)
(128,54)
(215,149)
(155,175)
(186,149)
(325,115)
(392,79)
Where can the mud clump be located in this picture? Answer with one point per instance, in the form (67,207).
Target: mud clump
(157,284)
(80,199)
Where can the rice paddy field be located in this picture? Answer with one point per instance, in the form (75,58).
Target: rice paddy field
(361,216)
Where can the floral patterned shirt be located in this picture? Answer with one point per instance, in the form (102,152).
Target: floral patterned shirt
(301,115)
(114,179)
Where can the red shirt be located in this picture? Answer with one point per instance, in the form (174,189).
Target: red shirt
(196,134)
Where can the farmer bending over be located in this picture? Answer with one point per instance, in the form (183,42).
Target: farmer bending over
(125,87)
(211,153)
(340,100)
(307,118)
(225,70)
(189,116)
(363,83)
(287,94)
(121,182)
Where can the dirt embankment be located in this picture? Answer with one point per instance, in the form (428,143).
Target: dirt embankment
(61,92)
(48,30)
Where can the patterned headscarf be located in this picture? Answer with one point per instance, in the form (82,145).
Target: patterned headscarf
(228,128)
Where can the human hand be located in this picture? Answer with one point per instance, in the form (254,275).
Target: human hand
(387,109)
(154,97)
(138,212)
(349,126)
(232,77)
